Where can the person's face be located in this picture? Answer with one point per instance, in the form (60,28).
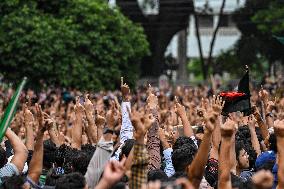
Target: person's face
(243,159)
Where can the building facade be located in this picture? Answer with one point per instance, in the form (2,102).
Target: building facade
(208,15)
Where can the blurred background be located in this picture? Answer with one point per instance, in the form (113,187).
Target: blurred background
(90,44)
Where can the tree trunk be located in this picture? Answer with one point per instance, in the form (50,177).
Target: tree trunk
(182,56)
(209,62)
(203,66)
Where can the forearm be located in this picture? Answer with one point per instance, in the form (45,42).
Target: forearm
(254,141)
(29,136)
(35,166)
(20,150)
(187,129)
(77,132)
(263,129)
(126,131)
(153,144)
(196,168)
(92,129)
(103,185)
(224,165)
(216,140)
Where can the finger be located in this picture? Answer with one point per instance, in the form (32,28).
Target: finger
(176,99)
(123,160)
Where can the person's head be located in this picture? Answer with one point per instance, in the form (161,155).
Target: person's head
(3,157)
(14,182)
(72,180)
(52,178)
(183,155)
(241,156)
(80,162)
(126,148)
(157,174)
(49,149)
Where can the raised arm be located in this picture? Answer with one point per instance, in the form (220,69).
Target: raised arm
(180,110)
(20,150)
(263,128)
(196,168)
(140,155)
(227,131)
(91,128)
(279,131)
(254,140)
(167,152)
(29,123)
(78,125)
(35,166)
(153,141)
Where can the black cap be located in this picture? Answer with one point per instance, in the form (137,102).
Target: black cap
(240,100)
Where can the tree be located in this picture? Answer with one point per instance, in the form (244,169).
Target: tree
(72,43)
(205,64)
(173,17)
(259,21)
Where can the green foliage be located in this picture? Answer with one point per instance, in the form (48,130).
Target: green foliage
(270,20)
(78,43)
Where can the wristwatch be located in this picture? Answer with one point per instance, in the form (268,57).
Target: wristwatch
(107,130)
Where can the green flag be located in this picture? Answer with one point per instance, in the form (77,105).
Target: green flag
(10,110)
(280,39)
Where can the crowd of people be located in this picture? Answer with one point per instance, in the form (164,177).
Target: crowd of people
(147,138)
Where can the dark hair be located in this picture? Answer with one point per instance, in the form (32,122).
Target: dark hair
(157,174)
(49,149)
(126,148)
(88,149)
(239,146)
(72,180)
(182,141)
(183,156)
(119,185)
(178,174)
(3,157)
(80,162)
(13,182)
(52,178)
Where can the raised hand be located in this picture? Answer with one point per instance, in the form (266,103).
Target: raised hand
(100,120)
(152,100)
(179,109)
(114,171)
(279,128)
(251,121)
(79,109)
(125,90)
(263,94)
(210,120)
(40,116)
(217,104)
(263,179)
(228,128)
(28,116)
(88,105)
(140,127)
(270,106)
